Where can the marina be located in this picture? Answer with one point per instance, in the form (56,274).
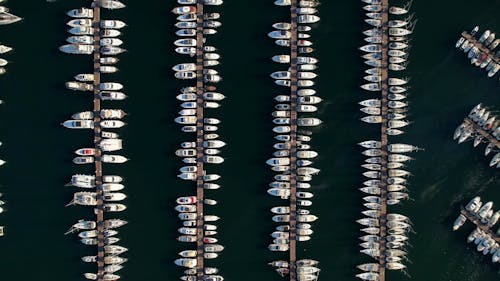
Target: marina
(384,233)
(197,226)
(481,52)
(483,127)
(293,156)
(443,91)
(102,200)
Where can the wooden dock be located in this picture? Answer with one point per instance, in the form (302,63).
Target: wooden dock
(486,229)
(480,46)
(293,142)
(383,137)
(200,250)
(480,130)
(97,138)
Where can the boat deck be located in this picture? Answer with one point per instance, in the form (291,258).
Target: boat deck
(200,251)
(97,138)
(486,229)
(383,137)
(481,131)
(293,143)
(480,46)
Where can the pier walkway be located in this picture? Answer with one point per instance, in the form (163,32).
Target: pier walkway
(293,142)
(480,46)
(486,135)
(383,137)
(200,250)
(97,138)
(486,229)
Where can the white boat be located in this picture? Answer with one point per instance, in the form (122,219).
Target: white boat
(78,124)
(111,50)
(79,22)
(112,5)
(113,24)
(113,158)
(112,95)
(79,49)
(81,30)
(184,10)
(307,19)
(110,42)
(81,13)
(110,86)
(110,33)
(112,124)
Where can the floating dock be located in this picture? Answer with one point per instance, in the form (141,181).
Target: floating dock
(97,138)
(486,229)
(481,131)
(200,88)
(481,47)
(384,137)
(293,143)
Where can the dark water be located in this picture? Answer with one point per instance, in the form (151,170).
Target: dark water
(39,150)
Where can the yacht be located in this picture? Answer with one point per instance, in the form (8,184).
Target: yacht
(113,124)
(79,49)
(281,58)
(110,33)
(113,24)
(84,198)
(186,32)
(5,49)
(84,77)
(113,159)
(112,5)
(108,60)
(111,95)
(112,113)
(111,50)
(81,13)
(184,10)
(114,249)
(114,207)
(110,42)
(83,160)
(184,67)
(113,196)
(185,42)
(114,223)
(84,115)
(81,30)
(80,22)
(110,86)
(84,225)
(213,96)
(78,124)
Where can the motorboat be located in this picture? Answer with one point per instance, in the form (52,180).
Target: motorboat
(79,49)
(80,22)
(111,50)
(110,42)
(110,33)
(114,24)
(81,13)
(81,30)
(112,95)
(78,124)
(112,5)
(112,124)
(113,159)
